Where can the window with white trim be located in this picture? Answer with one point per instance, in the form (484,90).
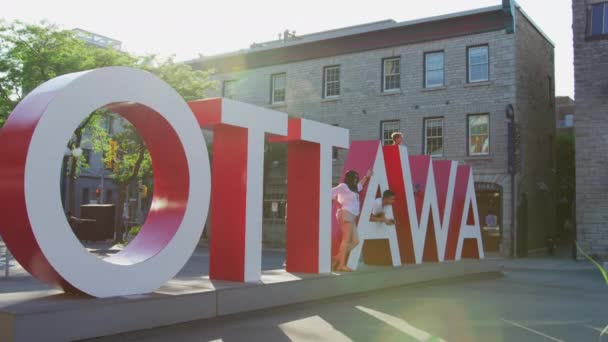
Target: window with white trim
(86,152)
(433,69)
(478,64)
(331,81)
(228,88)
(388,128)
(391,74)
(334,150)
(278,85)
(598,19)
(433,137)
(479,134)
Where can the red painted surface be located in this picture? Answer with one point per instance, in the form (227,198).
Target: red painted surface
(228,191)
(377,252)
(302,236)
(460,191)
(469,246)
(394,174)
(441,170)
(171,180)
(361,158)
(294,132)
(419,166)
(16,229)
(208,112)
(228,207)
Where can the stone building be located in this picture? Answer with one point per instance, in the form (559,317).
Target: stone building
(449,83)
(590,26)
(94,184)
(564,114)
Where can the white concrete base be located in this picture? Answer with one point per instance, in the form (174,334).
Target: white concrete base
(54,316)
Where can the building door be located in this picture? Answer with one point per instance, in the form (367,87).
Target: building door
(489,204)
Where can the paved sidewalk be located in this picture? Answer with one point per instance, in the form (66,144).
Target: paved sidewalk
(20,280)
(198,265)
(547,264)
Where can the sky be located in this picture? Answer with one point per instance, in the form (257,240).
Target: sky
(187,28)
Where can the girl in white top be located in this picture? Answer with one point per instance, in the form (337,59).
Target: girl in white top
(347,194)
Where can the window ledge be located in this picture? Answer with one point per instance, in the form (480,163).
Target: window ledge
(331,99)
(478,84)
(391,92)
(424,90)
(597,37)
(277,105)
(481,157)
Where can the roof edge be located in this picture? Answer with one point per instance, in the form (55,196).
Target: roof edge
(536,27)
(398,24)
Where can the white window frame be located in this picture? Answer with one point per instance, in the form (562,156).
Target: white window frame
(335,152)
(273,78)
(470,65)
(326,82)
(385,75)
(388,141)
(427,137)
(469,136)
(569,120)
(225,84)
(426,69)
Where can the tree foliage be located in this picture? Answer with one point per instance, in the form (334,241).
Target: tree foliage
(31,54)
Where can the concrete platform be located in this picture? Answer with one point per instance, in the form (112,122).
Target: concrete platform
(50,315)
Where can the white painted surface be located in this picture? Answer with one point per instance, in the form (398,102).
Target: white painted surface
(80,94)
(470,231)
(375,230)
(327,136)
(258,121)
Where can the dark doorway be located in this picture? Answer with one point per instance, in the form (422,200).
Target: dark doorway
(489,204)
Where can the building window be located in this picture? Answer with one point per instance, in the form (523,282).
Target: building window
(109,121)
(228,89)
(598,21)
(278,82)
(569,120)
(479,134)
(109,195)
(387,128)
(391,74)
(433,69)
(433,137)
(331,81)
(85,196)
(86,153)
(334,150)
(478,70)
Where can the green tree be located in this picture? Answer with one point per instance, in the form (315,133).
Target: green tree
(190,84)
(132,162)
(31,54)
